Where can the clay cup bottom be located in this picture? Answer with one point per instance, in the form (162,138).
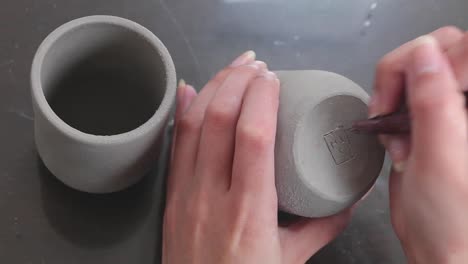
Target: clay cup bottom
(337,164)
(321,167)
(103,79)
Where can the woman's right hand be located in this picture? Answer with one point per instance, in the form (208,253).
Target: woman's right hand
(429,181)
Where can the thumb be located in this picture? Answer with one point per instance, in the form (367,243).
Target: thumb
(304,238)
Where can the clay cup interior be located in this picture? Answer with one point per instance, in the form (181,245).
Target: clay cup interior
(103,88)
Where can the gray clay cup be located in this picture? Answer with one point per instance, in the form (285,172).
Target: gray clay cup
(321,167)
(103,89)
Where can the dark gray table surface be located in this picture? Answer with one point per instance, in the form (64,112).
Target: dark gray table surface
(44,222)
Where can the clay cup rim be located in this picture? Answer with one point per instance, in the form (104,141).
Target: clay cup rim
(155,122)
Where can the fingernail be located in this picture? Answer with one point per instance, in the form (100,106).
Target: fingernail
(399,167)
(245,58)
(268,75)
(262,65)
(253,65)
(182,83)
(426,59)
(181,93)
(397,149)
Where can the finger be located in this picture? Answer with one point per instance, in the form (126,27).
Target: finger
(303,239)
(189,128)
(437,109)
(253,168)
(398,146)
(458,57)
(185,95)
(389,82)
(216,151)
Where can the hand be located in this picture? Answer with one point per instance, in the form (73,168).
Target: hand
(221,203)
(429,181)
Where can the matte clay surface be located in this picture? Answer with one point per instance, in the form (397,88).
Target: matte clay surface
(103,88)
(322,168)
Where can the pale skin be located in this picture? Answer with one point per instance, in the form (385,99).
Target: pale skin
(221,201)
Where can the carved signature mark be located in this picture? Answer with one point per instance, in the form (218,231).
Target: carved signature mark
(339,145)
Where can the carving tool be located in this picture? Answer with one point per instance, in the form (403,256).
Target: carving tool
(394,123)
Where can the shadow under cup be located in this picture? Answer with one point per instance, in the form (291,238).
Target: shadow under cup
(103,79)
(103,90)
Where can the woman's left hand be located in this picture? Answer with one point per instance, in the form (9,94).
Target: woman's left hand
(222,203)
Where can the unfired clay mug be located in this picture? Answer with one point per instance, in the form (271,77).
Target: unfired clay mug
(103,89)
(321,166)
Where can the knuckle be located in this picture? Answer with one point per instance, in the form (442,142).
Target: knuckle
(255,136)
(261,64)
(269,80)
(385,64)
(170,219)
(267,83)
(219,115)
(274,89)
(450,30)
(219,78)
(192,211)
(238,214)
(169,216)
(216,82)
(188,124)
(458,181)
(464,40)
(425,102)
(249,69)
(197,208)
